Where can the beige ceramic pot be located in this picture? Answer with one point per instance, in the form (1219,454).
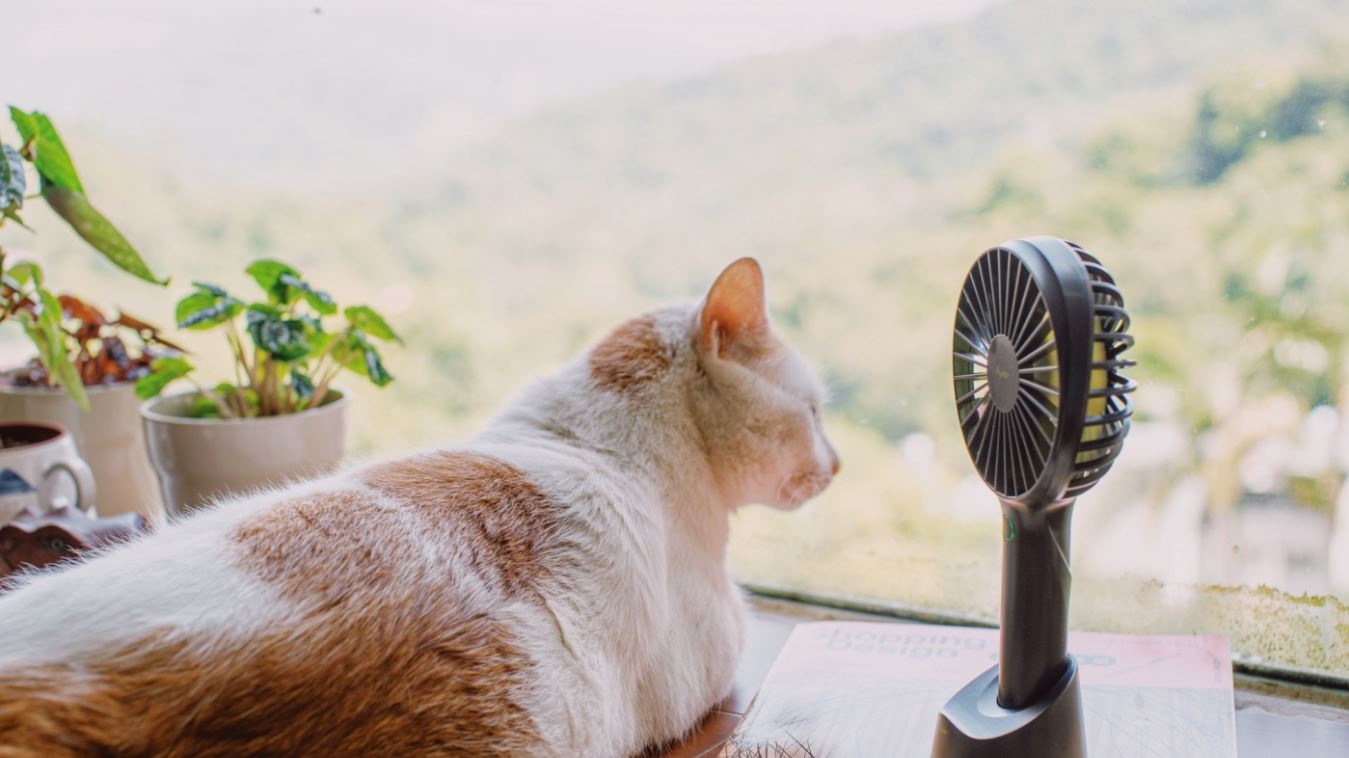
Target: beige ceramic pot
(109,437)
(199,461)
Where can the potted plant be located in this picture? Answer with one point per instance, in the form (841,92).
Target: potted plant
(76,345)
(107,356)
(280,418)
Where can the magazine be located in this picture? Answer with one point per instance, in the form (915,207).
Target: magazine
(844,689)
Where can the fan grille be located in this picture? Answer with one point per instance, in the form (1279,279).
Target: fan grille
(1006,373)
(1109,404)
(1008,381)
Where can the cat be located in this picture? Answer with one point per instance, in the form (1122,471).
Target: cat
(557,586)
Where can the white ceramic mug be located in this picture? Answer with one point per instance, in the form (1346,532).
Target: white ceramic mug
(40,469)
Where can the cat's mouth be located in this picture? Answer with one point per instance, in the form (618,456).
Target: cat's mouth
(802,486)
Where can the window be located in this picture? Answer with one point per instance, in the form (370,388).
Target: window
(507,183)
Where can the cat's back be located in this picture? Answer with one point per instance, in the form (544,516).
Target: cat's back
(400,605)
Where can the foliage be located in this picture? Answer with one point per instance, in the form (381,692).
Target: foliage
(103,350)
(1230,120)
(296,351)
(24,295)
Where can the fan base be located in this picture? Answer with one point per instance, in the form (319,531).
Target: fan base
(973,725)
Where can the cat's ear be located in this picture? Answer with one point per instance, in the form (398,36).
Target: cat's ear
(734,317)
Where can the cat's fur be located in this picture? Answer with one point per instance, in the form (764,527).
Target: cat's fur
(556,586)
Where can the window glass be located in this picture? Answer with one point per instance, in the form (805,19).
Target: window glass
(507,182)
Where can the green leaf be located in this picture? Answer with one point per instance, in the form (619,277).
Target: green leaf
(24,272)
(217,314)
(318,341)
(283,339)
(211,288)
(374,368)
(284,285)
(49,152)
(228,391)
(301,384)
(262,310)
(313,324)
(363,358)
(13,181)
(367,320)
(268,274)
(320,301)
(12,216)
(97,231)
(203,309)
(203,407)
(162,372)
(174,364)
(193,302)
(25,123)
(44,329)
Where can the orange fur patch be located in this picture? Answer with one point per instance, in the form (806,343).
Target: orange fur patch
(500,521)
(386,658)
(329,688)
(631,356)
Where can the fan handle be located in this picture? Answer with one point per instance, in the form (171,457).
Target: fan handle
(1036,581)
(1030,704)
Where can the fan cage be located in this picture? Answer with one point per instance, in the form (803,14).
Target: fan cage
(1109,405)
(1002,319)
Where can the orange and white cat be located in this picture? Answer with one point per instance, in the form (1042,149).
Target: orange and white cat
(557,586)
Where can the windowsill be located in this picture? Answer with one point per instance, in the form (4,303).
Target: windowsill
(1273,717)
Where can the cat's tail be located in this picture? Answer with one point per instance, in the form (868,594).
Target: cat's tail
(52,714)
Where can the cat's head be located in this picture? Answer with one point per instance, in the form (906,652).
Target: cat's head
(754,400)
(718,371)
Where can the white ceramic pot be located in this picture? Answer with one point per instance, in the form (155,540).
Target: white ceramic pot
(199,461)
(109,437)
(40,470)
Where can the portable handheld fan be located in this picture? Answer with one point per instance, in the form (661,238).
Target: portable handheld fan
(1044,408)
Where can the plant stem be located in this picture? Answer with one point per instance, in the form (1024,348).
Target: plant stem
(266,394)
(241,360)
(225,409)
(321,391)
(319,368)
(240,363)
(284,394)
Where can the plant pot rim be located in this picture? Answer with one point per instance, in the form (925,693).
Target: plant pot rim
(149,413)
(61,433)
(92,389)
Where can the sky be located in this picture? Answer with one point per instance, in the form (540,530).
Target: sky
(287,90)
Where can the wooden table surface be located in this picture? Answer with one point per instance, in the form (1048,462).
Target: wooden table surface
(1267,725)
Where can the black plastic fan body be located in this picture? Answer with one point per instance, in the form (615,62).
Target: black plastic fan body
(1044,409)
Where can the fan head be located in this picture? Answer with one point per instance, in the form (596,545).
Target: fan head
(1041,399)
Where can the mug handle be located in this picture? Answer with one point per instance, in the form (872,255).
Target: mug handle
(81,475)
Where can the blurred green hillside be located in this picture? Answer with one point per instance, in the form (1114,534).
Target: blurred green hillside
(1200,148)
